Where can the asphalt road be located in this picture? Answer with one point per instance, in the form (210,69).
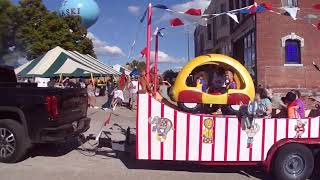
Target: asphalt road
(69,161)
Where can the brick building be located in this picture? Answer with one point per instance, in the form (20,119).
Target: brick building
(276,50)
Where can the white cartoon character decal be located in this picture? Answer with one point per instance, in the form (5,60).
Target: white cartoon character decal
(162,126)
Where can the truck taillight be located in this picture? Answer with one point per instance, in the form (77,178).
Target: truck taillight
(52,106)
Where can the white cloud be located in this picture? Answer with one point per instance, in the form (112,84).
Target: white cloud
(196,4)
(166,58)
(134,9)
(102,48)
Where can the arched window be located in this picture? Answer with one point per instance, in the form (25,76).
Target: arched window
(292,45)
(293,51)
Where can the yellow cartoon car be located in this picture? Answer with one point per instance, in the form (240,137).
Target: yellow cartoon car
(196,84)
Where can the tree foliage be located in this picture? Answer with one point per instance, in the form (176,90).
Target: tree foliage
(34,30)
(170,75)
(7,26)
(137,64)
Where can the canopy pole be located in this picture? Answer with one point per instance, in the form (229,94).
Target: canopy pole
(60,78)
(148,42)
(92,80)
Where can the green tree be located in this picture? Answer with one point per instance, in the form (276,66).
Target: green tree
(40,30)
(7,26)
(137,64)
(83,44)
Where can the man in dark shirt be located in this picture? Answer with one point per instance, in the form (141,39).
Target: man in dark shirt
(110,88)
(51,83)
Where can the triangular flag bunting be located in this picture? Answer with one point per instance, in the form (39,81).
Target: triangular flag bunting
(268,6)
(160,6)
(158,32)
(143,52)
(316,6)
(292,11)
(253,9)
(250,10)
(234,17)
(203,22)
(176,22)
(260,9)
(144,16)
(193,12)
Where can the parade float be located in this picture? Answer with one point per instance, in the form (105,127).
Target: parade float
(287,148)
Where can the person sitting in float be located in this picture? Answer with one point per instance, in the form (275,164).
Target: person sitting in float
(218,82)
(290,101)
(262,98)
(230,83)
(299,105)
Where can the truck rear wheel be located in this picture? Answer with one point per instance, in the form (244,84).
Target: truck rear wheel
(293,162)
(12,141)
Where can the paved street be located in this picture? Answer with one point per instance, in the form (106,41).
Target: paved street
(60,162)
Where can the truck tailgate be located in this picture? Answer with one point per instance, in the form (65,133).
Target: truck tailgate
(72,105)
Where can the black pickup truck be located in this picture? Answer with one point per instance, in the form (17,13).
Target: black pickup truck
(30,115)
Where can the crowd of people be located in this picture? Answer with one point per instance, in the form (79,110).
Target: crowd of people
(221,81)
(116,93)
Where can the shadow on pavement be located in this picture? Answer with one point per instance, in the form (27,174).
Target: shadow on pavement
(128,159)
(104,149)
(130,162)
(54,150)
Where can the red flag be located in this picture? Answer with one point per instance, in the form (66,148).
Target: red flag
(318,26)
(122,80)
(316,6)
(193,12)
(107,120)
(176,22)
(268,6)
(143,52)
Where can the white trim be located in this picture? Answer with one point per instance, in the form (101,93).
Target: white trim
(292,36)
(293,65)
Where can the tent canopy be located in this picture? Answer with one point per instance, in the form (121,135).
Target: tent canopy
(69,63)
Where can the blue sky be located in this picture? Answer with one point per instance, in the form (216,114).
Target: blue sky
(118,26)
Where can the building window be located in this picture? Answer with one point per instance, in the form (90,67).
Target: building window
(292,45)
(290,3)
(201,44)
(293,52)
(214,34)
(223,18)
(250,52)
(209,32)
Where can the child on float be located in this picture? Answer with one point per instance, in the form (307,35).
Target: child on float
(289,101)
(298,104)
(230,82)
(262,98)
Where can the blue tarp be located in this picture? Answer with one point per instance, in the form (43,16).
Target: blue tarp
(135,73)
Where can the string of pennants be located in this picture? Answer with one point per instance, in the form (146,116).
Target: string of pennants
(251,9)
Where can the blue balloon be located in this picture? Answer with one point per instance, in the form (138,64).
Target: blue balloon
(88,10)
